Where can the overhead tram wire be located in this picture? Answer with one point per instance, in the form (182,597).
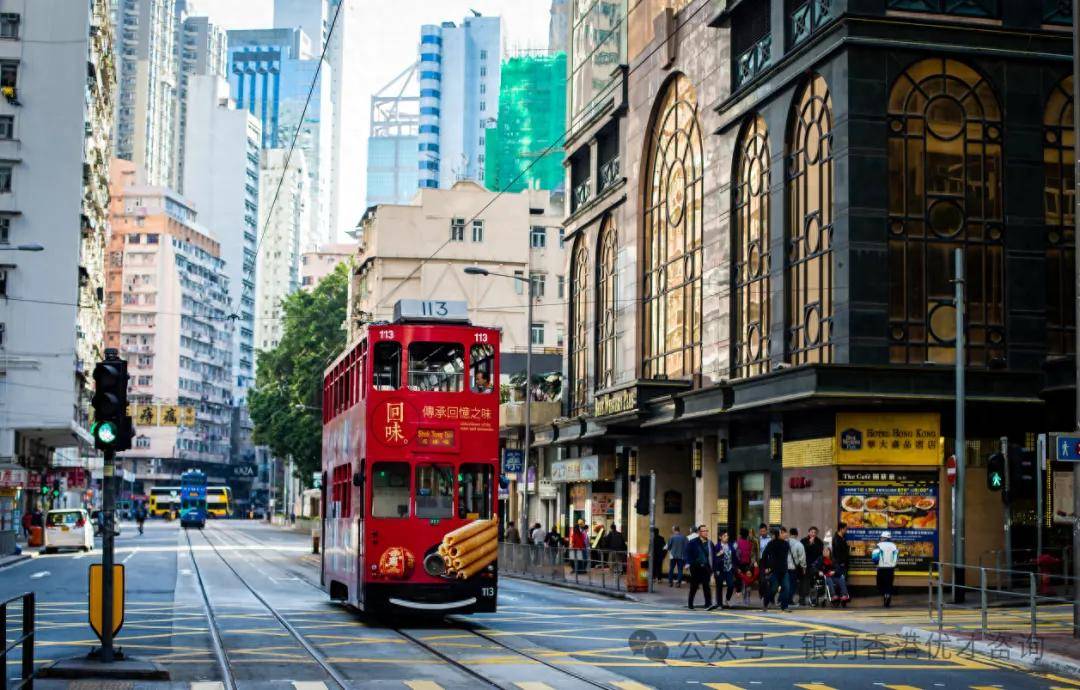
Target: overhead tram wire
(547,150)
(288,156)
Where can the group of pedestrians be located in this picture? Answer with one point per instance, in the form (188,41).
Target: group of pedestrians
(784,569)
(596,547)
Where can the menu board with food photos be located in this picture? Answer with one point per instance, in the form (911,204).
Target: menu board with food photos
(904,503)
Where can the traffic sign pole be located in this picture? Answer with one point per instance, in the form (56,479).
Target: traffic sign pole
(108,500)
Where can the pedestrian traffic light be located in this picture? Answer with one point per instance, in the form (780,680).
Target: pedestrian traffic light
(1022,471)
(995,472)
(56,488)
(644,489)
(112,428)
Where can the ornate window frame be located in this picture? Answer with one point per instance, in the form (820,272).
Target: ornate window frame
(750,268)
(1059,206)
(607,295)
(579,329)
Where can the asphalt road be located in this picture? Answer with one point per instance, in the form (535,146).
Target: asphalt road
(278,630)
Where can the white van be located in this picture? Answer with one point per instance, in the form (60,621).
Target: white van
(69,527)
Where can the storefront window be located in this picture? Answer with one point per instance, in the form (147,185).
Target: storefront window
(475,484)
(752,500)
(752,251)
(945,136)
(671,284)
(1059,204)
(390,490)
(434,491)
(809,255)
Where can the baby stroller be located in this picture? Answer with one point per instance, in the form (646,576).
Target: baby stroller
(819,594)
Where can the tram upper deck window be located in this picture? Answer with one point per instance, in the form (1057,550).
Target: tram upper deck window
(482,365)
(386,369)
(434,491)
(437,367)
(475,484)
(390,490)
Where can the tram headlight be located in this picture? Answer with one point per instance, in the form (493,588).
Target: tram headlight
(434,564)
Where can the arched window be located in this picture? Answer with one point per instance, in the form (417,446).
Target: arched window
(671,284)
(579,330)
(606,296)
(1060,202)
(945,172)
(751,265)
(810,217)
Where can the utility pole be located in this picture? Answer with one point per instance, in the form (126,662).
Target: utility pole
(961,436)
(652,526)
(528,399)
(1076,254)
(1008,509)
(107,555)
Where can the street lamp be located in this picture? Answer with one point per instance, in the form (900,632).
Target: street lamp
(24,248)
(477,271)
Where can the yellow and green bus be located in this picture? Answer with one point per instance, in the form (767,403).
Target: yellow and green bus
(219,501)
(164,501)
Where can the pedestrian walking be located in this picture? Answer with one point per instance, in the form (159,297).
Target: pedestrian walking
(774,562)
(841,550)
(512,534)
(657,556)
(26,522)
(725,567)
(676,548)
(812,546)
(885,557)
(699,556)
(616,544)
(763,538)
(749,555)
(796,565)
(578,544)
(537,535)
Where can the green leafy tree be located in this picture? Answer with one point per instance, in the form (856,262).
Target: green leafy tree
(286,402)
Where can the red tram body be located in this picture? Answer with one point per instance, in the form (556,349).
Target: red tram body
(410,464)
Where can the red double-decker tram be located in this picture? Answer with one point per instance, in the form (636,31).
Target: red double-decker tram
(410,464)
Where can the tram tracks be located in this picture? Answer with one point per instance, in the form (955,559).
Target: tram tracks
(470,627)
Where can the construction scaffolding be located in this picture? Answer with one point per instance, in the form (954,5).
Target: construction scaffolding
(532,117)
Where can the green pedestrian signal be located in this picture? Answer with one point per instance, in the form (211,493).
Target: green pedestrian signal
(995,472)
(105,433)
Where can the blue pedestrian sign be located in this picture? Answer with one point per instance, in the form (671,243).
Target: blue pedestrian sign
(513,459)
(1066,447)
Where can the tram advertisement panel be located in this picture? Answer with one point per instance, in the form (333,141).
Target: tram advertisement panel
(904,503)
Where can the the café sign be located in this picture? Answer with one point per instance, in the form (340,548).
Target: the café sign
(616,402)
(898,438)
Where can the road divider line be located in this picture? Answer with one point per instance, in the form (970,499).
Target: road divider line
(40,574)
(129,556)
(631,685)
(309,685)
(722,686)
(423,685)
(208,685)
(814,686)
(533,685)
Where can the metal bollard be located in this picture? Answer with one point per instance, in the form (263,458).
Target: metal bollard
(1031,599)
(3,643)
(982,599)
(940,602)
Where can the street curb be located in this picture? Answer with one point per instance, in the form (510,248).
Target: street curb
(570,585)
(80,668)
(15,560)
(1053,663)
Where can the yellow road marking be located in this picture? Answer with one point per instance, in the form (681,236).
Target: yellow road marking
(722,686)
(631,685)
(423,685)
(1059,679)
(901,687)
(533,685)
(813,686)
(309,685)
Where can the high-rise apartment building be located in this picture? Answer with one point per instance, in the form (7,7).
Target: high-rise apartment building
(222,180)
(459,98)
(168,315)
(200,50)
(145,108)
(516,234)
(270,74)
(55,144)
(278,272)
(559,26)
(393,141)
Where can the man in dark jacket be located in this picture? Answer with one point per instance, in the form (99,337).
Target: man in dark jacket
(699,552)
(840,550)
(813,546)
(616,543)
(775,567)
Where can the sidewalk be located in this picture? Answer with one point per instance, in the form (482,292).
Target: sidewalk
(1007,636)
(12,559)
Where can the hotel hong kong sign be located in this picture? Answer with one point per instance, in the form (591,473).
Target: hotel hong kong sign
(616,402)
(899,438)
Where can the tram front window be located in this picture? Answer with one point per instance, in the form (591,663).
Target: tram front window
(386,370)
(474,491)
(437,367)
(390,490)
(434,491)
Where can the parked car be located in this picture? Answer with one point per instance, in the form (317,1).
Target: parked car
(68,528)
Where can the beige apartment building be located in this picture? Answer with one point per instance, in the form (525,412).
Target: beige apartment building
(420,251)
(167,313)
(316,265)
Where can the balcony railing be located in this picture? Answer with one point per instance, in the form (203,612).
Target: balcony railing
(752,62)
(609,173)
(807,18)
(582,194)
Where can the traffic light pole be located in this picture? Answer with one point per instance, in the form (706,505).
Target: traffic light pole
(1008,507)
(1076,239)
(108,501)
(961,439)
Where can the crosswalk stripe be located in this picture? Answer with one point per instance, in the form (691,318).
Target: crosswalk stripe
(722,686)
(533,685)
(208,685)
(814,686)
(423,685)
(901,687)
(309,685)
(631,685)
